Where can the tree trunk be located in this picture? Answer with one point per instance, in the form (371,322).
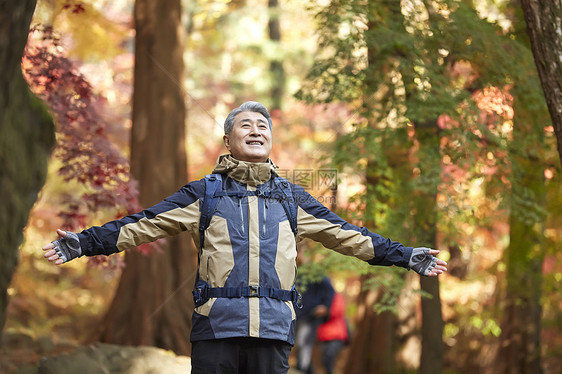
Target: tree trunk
(372,349)
(521,323)
(375,341)
(520,350)
(544,27)
(276,65)
(374,345)
(26,139)
(153,303)
(425,218)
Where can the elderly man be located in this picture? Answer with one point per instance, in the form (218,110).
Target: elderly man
(246,221)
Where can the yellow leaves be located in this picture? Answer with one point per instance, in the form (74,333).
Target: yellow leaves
(85,27)
(209,12)
(94,41)
(323,136)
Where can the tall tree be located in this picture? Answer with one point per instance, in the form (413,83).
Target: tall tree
(520,339)
(544,27)
(388,175)
(26,139)
(428,71)
(276,65)
(425,226)
(153,302)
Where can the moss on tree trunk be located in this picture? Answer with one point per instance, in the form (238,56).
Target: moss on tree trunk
(26,139)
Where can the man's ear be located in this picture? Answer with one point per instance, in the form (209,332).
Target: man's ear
(226,140)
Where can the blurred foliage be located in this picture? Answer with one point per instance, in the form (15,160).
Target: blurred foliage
(86,154)
(398,70)
(91,35)
(46,299)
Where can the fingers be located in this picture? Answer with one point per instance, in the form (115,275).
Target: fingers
(441,269)
(441,262)
(53,256)
(434,273)
(438,261)
(55,259)
(440,265)
(438,269)
(50,254)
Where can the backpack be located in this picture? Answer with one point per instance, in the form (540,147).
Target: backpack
(213,192)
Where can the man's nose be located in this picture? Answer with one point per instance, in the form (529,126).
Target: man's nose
(254,129)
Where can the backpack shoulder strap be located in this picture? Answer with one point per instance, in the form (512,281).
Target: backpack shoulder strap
(213,185)
(288,201)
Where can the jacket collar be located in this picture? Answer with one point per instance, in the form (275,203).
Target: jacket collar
(250,173)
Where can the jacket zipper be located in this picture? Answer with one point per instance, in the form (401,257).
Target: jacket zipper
(241,214)
(264,223)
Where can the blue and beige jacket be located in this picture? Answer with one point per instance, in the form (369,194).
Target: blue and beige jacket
(248,243)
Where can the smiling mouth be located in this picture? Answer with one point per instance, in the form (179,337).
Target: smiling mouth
(254,143)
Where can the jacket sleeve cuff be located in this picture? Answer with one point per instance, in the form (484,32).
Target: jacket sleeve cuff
(406,257)
(90,245)
(86,250)
(398,255)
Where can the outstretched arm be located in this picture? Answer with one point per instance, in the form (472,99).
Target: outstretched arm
(178,212)
(318,223)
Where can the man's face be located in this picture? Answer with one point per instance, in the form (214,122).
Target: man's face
(250,138)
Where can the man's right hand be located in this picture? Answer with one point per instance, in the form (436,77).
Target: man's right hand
(66,248)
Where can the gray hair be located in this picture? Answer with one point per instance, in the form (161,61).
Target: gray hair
(248,106)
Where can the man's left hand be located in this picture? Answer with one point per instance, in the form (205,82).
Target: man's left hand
(424,262)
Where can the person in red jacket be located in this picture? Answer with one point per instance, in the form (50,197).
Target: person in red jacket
(333,334)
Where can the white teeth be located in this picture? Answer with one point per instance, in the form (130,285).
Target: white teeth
(254,143)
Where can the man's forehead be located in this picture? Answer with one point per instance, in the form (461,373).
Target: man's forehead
(249,116)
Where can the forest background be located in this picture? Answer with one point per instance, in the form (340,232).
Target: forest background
(424,121)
